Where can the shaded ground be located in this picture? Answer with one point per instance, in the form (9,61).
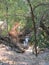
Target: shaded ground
(9,57)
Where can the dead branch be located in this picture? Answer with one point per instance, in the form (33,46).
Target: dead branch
(32,16)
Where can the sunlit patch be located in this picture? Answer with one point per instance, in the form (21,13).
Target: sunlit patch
(22,63)
(29,50)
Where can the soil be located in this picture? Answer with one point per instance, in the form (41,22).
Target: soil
(10,57)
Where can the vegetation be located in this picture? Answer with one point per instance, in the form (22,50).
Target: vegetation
(33,17)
